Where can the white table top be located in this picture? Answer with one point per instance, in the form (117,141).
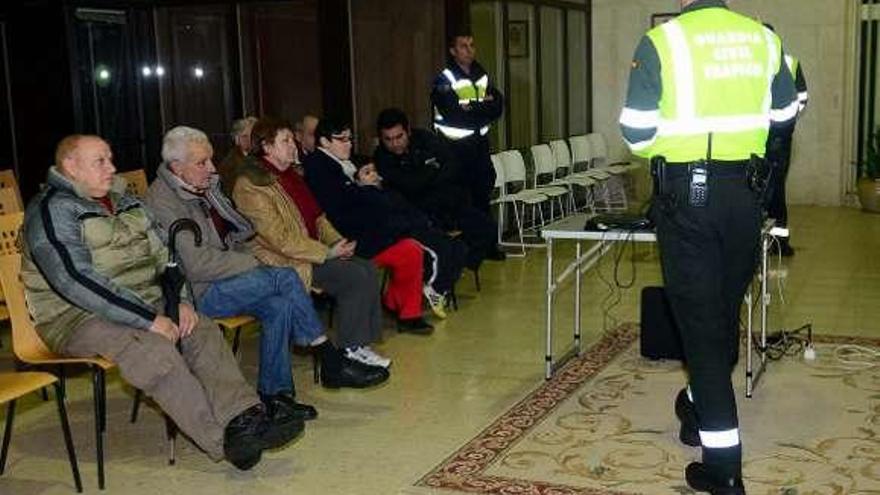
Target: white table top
(573,228)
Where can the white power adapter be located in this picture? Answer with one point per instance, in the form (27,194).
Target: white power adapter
(810,353)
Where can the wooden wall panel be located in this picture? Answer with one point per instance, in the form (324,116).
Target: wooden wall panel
(289,72)
(398,49)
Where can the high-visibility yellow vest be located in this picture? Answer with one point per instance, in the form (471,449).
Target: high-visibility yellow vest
(717,68)
(467,91)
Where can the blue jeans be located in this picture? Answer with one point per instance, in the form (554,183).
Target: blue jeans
(276,297)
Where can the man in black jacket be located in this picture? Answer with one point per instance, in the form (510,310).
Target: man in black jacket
(419,166)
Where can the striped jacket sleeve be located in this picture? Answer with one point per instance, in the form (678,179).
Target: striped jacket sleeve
(784,101)
(641,115)
(800,84)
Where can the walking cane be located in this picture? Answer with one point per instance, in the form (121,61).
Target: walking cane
(171,281)
(172,278)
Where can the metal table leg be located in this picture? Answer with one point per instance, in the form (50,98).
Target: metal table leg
(577,300)
(548,355)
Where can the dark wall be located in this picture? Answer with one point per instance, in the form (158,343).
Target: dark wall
(42,97)
(302,47)
(398,49)
(282,59)
(7,143)
(334,42)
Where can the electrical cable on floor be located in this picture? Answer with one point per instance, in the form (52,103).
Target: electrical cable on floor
(786,342)
(608,301)
(614,285)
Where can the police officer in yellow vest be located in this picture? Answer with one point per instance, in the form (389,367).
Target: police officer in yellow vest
(779,156)
(704,90)
(465,105)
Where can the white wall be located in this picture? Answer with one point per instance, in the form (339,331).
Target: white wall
(815,31)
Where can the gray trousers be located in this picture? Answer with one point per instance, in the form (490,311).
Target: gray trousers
(354,283)
(201,388)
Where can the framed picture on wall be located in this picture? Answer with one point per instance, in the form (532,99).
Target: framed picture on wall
(517,39)
(657,19)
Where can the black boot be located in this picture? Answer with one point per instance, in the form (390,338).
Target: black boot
(243,438)
(417,326)
(704,478)
(338,371)
(285,403)
(689,433)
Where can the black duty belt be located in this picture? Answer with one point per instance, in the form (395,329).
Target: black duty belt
(717,168)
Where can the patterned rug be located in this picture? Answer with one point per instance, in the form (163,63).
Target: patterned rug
(605,425)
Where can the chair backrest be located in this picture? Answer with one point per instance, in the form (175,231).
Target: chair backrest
(499,171)
(10,202)
(10,225)
(542,157)
(8,181)
(136,182)
(600,149)
(561,153)
(581,150)
(514,166)
(26,342)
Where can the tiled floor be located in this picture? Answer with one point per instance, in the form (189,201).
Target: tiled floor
(444,388)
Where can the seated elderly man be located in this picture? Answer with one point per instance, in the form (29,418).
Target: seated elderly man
(241,138)
(419,166)
(227,278)
(91,259)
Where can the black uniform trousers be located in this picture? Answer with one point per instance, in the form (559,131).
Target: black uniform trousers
(476,168)
(779,157)
(709,255)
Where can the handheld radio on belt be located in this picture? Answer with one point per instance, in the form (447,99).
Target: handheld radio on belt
(698,192)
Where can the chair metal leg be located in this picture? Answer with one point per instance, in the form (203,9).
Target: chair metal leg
(62,383)
(236,343)
(97,388)
(316,375)
(7,434)
(68,441)
(171,432)
(136,405)
(519,225)
(453,299)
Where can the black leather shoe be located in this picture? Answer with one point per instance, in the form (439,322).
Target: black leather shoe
(243,438)
(282,428)
(352,374)
(287,403)
(702,479)
(689,433)
(417,326)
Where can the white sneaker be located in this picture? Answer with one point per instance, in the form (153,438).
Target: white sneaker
(365,355)
(436,300)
